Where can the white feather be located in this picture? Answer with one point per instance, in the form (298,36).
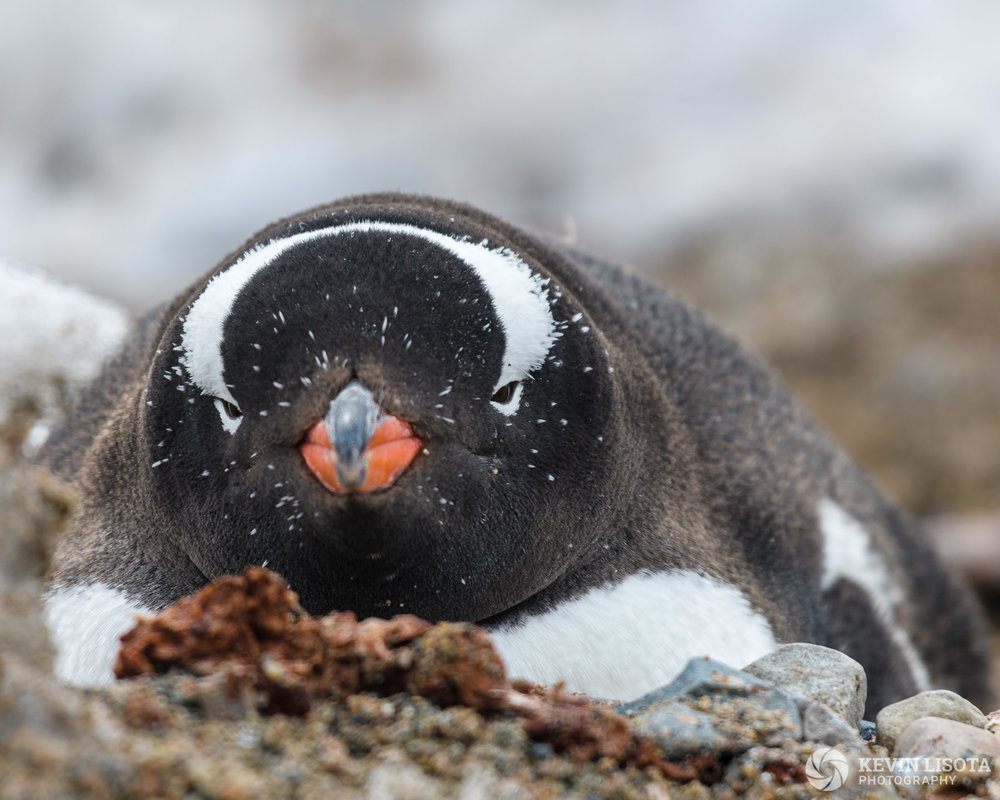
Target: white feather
(849,553)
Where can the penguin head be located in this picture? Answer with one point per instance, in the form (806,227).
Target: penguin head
(397,404)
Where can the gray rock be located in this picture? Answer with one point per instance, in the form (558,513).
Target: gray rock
(942,753)
(822,724)
(826,675)
(704,676)
(711,706)
(894,719)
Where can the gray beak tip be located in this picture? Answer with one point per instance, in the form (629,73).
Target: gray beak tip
(351,421)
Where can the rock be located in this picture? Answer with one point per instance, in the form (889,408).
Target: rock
(704,676)
(894,719)
(822,724)
(993,722)
(944,754)
(868,730)
(824,674)
(250,629)
(713,707)
(935,737)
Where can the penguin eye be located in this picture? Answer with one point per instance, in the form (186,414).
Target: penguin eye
(230,410)
(505,393)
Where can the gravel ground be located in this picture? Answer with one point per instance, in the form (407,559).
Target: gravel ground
(166,737)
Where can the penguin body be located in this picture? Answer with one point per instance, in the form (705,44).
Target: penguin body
(405,405)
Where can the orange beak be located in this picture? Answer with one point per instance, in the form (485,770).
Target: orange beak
(362,456)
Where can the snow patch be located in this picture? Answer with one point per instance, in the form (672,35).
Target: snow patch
(54,339)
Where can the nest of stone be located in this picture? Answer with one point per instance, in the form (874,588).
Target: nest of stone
(250,632)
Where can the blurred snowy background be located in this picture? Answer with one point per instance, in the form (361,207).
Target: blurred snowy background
(822,178)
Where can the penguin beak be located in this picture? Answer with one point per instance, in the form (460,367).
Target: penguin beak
(357,447)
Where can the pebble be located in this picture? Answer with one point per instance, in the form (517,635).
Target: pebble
(894,719)
(713,707)
(946,754)
(826,675)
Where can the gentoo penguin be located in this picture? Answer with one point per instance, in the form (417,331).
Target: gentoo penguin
(405,405)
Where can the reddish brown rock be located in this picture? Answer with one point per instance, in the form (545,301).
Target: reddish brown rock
(946,757)
(944,738)
(251,630)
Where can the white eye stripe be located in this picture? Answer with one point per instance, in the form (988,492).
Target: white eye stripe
(519,297)
(509,408)
(228,422)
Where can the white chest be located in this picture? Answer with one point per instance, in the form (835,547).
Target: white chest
(85,623)
(624,640)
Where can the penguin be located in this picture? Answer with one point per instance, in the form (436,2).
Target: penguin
(403,404)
